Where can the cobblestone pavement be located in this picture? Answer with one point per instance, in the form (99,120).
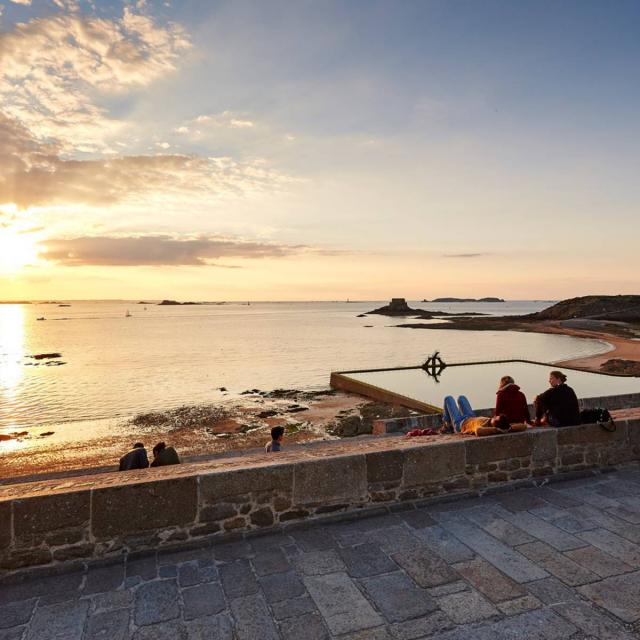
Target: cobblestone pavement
(557,562)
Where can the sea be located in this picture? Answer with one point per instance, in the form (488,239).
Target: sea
(119,358)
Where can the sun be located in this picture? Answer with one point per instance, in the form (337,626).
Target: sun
(17,250)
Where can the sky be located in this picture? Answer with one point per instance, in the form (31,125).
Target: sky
(319,150)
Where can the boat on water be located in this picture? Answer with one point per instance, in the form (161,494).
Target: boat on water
(128,314)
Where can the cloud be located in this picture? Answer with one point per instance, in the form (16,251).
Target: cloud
(156,250)
(464,255)
(53,71)
(34,174)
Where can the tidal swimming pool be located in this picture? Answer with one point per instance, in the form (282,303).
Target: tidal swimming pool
(479,382)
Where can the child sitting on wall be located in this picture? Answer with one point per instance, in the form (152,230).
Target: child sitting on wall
(460,417)
(277,434)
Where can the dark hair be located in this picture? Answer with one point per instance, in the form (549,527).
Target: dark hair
(159,447)
(138,445)
(559,375)
(277,432)
(502,422)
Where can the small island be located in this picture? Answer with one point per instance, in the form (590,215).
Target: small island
(398,307)
(465,300)
(174,303)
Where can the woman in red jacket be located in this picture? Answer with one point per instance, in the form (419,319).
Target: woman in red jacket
(511,402)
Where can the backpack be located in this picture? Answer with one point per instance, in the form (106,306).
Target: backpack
(598,416)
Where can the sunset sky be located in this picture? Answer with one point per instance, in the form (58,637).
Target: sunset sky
(319,150)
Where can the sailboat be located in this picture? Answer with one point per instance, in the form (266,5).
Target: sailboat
(127,315)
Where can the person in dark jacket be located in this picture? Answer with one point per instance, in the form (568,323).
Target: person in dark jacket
(557,406)
(135,459)
(163,455)
(511,402)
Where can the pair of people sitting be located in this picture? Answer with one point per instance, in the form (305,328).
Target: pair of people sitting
(557,407)
(137,457)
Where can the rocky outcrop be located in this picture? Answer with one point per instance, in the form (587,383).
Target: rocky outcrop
(620,308)
(399,307)
(625,367)
(466,300)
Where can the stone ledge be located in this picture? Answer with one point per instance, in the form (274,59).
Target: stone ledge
(53,522)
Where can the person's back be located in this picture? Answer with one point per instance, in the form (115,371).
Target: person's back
(135,459)
(166,456)
(511,402)
(561,405)
(277,433)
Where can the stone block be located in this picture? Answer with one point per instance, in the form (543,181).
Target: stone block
(502,447)
(591,434)
(33,518)
(330,481)
(156,602)
(544,445)
(633,431)
(144,507)
(202,600)
(466,607)
(618,595)
(217,487)
(430,464)
(64,620)
(384,466)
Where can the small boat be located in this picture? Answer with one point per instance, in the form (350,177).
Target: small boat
(127,315)
(42,318)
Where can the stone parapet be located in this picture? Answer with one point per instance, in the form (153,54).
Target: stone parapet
(51,522)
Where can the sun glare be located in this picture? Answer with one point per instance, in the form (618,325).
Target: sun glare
(17,250)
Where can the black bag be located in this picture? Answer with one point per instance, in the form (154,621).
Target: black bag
(598,416)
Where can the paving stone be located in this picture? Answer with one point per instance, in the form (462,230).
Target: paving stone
(397,597)
(314,539)
(466,607)
(417,518)
(100,579)
(394,539)
(174,630)
(232,551)
(519,605)
(625,514)
(145,567)
(202,600)
(590,497)
(191,573)
(501,556)
(557,564)
(593,622)
(499,528)
(543,530)
(252,619)
(420,627)
(156,602)
(618,594)
(293,607)
(556,498)
(541,624)
(217,627)
(598,561)
(341,604)
(307,626)
(489,581)
(377,633)
(624,529)
(426,568)
(16,633)
(111,600)
(446,589)
(552,591)
(201,555)
(448,547)
(109,625)
(238,579)
(572,524)
(16,613)
(62,587)
(168,571)
(519,501)
(318,562)
(614,545)
(58,621)
(270,561)
(548,512)
(281,586)
(366,560)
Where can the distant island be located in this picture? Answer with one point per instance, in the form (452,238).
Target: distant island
(399,307)
(174,303)
(465,300)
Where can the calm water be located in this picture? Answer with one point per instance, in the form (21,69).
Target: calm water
(479,382)
(166,356)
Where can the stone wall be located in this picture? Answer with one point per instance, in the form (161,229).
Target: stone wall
(50,522)
(430,420)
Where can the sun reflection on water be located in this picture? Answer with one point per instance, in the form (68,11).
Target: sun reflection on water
(11,349)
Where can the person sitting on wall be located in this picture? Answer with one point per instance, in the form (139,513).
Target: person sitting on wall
(163,455)
(461,418)
(277,434)
(511,402)
(557,406)
(135,459)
